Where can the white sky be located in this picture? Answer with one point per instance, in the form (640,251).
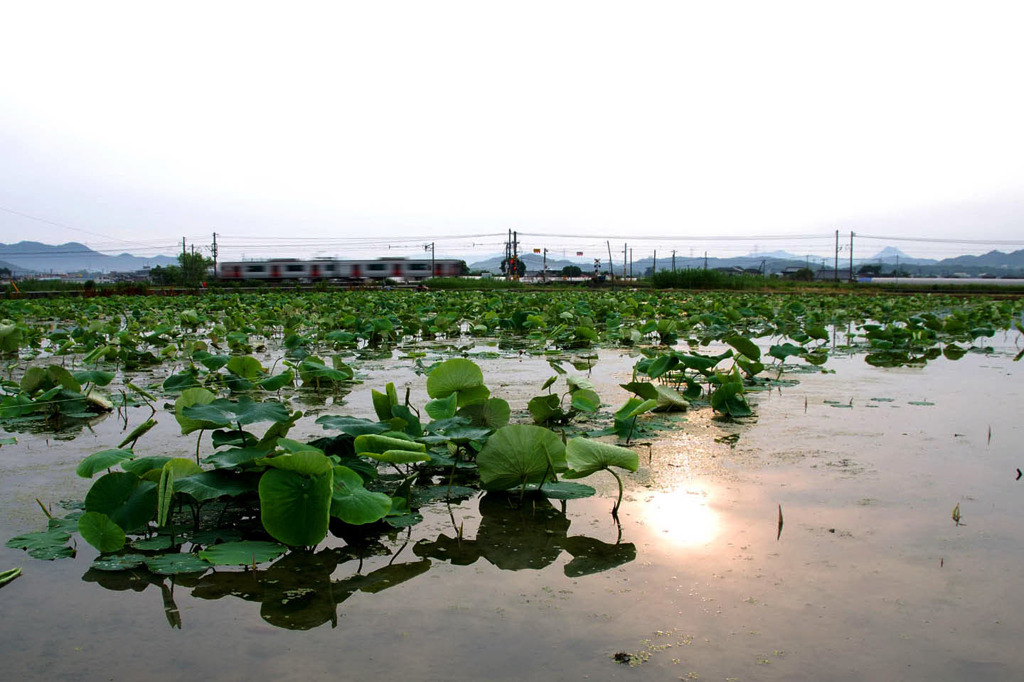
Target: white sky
(343,129)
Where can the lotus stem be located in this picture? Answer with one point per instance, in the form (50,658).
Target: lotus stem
(618,502)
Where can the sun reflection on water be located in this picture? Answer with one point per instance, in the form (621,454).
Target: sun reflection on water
(683,517)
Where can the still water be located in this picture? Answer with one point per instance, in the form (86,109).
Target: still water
(869,579)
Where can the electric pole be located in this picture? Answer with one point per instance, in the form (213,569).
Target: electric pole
(837,258)
(213,250)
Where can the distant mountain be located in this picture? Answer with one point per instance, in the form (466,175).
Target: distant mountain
(73,257)
(992,259)
(891,255)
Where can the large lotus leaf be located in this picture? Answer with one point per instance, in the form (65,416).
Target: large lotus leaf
(210,485)
(381,404)
(460,376)
(48,544)
(279,381)
(210,361)
(518,454)
(645,389)
(586,457)
(634,407)
(375,443)
(352,426)
(175,563)
(586,400)
(398,456)
(236,457)
(545,408)
(354,504)
(669,400)
(784,351)
(181,380)
(99,531)
(143,465)
(491,414)
(562,490)
(94,376)
(104,459)
(129,501)
(189,398)
(309,462)
(246,367)
(243,553)
(661,365)
(443,408)
(745,346)
(406,420)
(223,412)
(313,371)
(295,509)
(118,562)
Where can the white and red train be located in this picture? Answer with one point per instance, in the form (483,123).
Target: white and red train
(284,269)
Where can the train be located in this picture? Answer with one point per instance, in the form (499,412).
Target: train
(329,269)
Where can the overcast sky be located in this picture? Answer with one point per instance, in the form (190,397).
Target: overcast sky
(345,129)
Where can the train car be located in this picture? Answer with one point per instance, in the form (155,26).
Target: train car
(294,269)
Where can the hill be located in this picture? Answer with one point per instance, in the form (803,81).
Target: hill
(73,257)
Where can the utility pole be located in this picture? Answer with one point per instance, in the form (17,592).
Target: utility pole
(515,253)
(213,250)
(544,270)
(851,256)
(625,249)
(654,271)
(705,260)
(837,257)
(631,263)
(183,253)
(673,260)
(433,271)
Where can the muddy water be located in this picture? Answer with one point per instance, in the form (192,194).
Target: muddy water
(870,578)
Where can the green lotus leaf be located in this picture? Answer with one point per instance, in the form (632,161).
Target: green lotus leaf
(443,408)
(295,508)
(181,381)
(310,462)
(352,426)
(645,389)
(246,367)
(104,459)
(118,562)
(461,377)
(174,563)
(586,400)
(189,398)
(210,361)
(94,376)
(669,400)
(545,408)
(227,413)
(398,456)
(354,504)
(279,381)
(586,457)
(491,414)
(210,485)
(99,531)
(129,501)
(143,465)
(744,346)
(243,553)
(375,443)
(236,457)
(381,404)
(562,490)
(48,544)
(518,454)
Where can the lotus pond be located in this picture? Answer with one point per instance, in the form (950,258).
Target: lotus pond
(428,485)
